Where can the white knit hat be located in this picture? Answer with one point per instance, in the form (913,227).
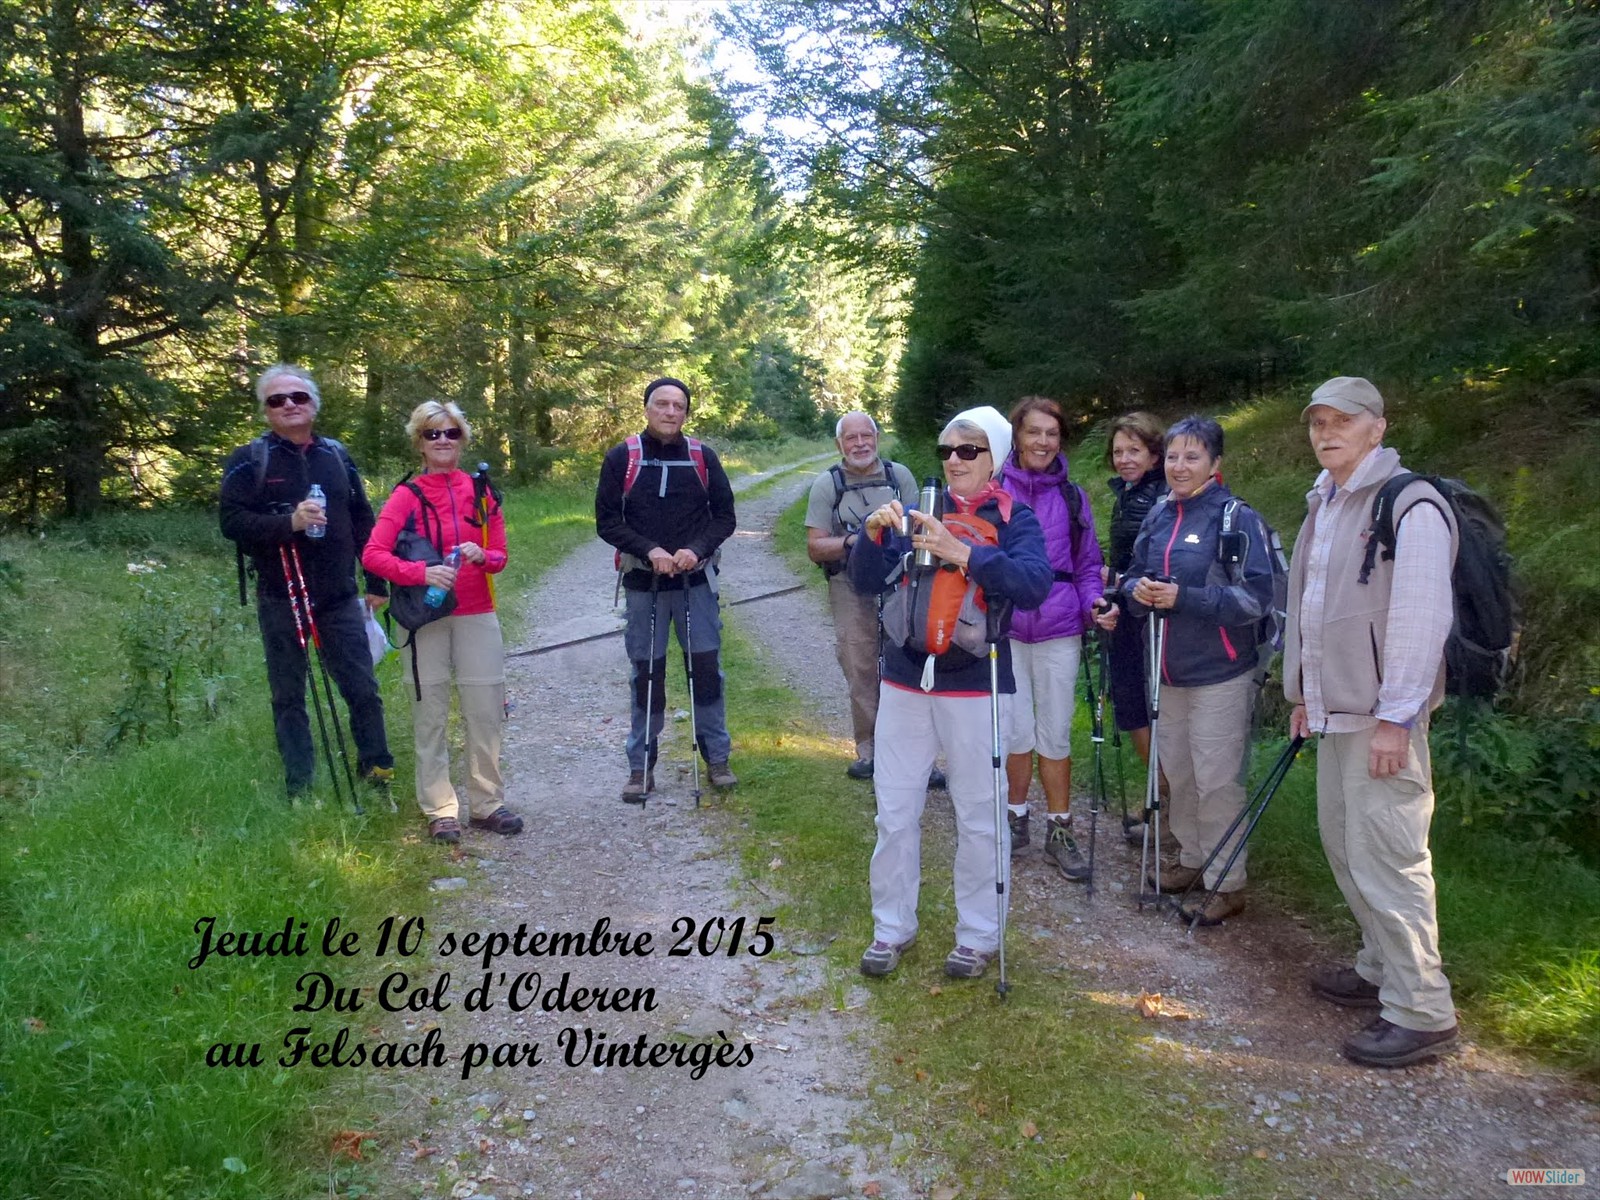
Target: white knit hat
(998,429)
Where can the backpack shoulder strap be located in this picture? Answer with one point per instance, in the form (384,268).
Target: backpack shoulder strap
(258,480)
(635,447)
(697,455)
(1075,499)
(1381,532)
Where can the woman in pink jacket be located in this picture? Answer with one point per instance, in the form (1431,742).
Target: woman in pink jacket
(464,647)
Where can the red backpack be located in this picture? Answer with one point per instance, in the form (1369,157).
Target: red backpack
(637,460)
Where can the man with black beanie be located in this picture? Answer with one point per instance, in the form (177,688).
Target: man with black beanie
(664,502)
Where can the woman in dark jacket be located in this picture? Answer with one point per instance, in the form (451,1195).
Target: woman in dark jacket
(1135,453)
(928,703)
(1208,665)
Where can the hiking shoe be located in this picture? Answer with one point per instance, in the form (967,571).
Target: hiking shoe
(860,769)
(966,963)
(1133,830)
(445,829)
(1385,1044)
(1343,985)
(1173,879)
(1061,848)
(937,782)
(1222,906)
(640,784)
(378,778)
(1019,830)
(722,778)
(882,957)
(502,820)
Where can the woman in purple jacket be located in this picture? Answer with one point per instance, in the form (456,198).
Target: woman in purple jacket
(1045,642)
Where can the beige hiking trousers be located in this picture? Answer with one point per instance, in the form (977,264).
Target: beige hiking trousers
(855,629)
(1375,832)
(1204,735)
(467,651)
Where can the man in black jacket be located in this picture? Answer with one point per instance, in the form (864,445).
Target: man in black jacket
(264,507)
(664,502)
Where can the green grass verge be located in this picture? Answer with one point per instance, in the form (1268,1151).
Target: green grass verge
(111,858)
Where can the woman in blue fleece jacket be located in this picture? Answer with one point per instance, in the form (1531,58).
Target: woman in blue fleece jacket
(1208,666)
(927,703)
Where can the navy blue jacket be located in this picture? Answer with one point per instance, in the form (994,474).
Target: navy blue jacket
(1213,632)
(1014,574)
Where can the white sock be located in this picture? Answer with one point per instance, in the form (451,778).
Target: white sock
(1017,811)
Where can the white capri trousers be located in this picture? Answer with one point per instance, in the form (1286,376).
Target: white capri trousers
(912,728)
(1047,683)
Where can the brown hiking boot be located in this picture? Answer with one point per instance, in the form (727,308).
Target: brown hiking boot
(1222,906)
(721,777)
(1174,879)
(640,784)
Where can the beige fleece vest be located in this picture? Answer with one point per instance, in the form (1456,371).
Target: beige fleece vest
(1355,616)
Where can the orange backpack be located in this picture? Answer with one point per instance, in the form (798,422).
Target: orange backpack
(933,609)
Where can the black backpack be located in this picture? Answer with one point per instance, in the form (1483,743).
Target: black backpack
(258,471)
(1482,646)
(407,608)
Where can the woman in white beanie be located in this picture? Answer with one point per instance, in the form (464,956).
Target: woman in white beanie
(939,700)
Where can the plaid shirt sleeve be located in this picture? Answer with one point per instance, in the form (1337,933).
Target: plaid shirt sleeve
(1421,610)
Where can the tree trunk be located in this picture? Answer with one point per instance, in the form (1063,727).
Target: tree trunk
(81,301)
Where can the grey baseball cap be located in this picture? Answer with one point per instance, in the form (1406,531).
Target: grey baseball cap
(1347,393)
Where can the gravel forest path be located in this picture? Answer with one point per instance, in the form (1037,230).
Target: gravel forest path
(786,1126)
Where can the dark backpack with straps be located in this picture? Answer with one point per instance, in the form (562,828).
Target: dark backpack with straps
(407,606)
(258,464)
(1233,547)
(841,486)
(1482,646)
(637,460)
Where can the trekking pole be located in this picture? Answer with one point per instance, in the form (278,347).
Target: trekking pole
(1253,808)
(1152,789)
(688,674)
(1095,695)
(300,633)
(327,684)
(650,685)
(1001,858)
(1104,646)
(482,490)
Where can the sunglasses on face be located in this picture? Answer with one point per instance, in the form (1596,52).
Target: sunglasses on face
(279,399)
(966,452)
(433,435)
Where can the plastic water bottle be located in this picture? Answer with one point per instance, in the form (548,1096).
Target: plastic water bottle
(317,495)
(435,594)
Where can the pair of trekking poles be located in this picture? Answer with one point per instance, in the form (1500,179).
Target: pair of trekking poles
(310,638)
(1249,814)
(652,744)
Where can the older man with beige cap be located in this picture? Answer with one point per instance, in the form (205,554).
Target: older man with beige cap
(1364,669)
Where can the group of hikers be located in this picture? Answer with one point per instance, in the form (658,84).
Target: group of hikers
(962,612)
